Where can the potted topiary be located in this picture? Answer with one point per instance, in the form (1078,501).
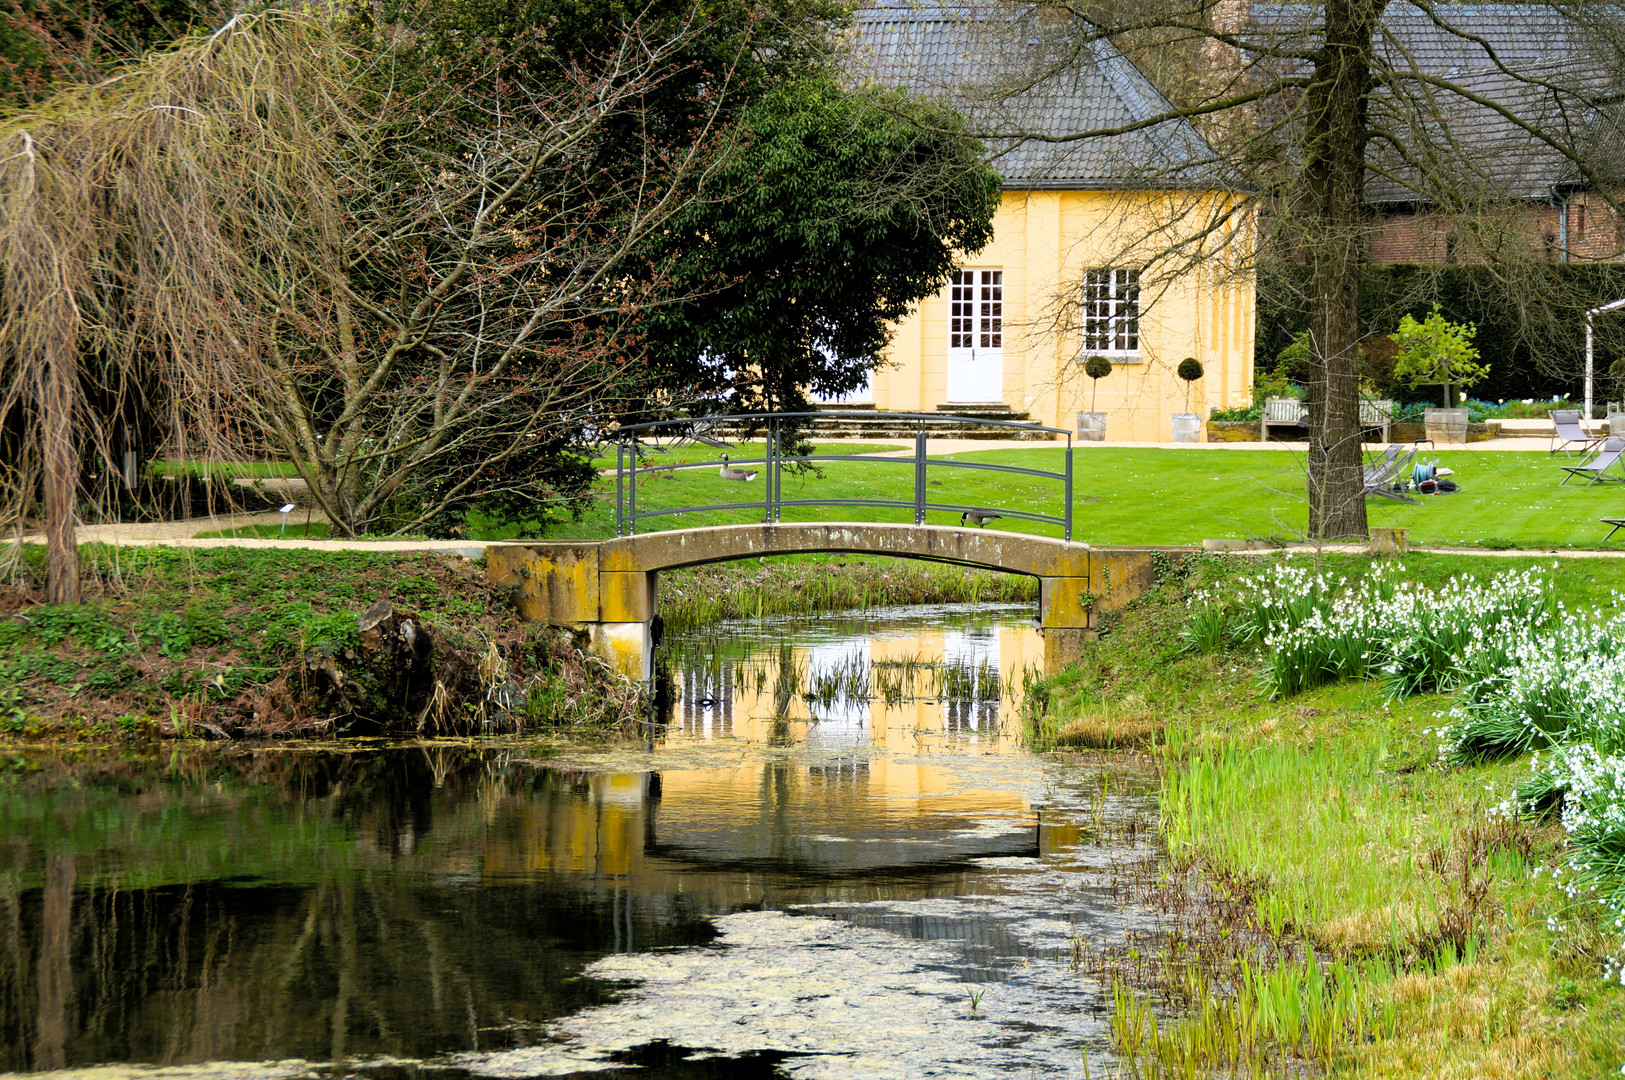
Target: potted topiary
(1188,425)
(1092,425)
(1438,352)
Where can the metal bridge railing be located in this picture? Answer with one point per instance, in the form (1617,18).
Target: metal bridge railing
(628,471)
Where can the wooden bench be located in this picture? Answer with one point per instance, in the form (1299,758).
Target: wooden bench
(1377,415)
(1282,412)
(1290,412)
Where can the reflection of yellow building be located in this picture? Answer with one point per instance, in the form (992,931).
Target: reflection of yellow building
(1095,248)
(975,710)
(861,785)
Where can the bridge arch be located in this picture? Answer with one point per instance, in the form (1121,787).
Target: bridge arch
(610,587)
(1016,553)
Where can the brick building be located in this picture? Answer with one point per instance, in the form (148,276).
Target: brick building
(1468,91)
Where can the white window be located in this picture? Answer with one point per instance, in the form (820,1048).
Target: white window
(976,336)
(976,310)
(1111,312)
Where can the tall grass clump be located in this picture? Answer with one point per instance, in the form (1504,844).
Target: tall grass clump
(1532,676)
(1303,1009)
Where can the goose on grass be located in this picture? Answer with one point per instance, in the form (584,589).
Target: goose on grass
(728,472)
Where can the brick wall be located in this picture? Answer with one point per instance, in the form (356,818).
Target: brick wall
(1404,235)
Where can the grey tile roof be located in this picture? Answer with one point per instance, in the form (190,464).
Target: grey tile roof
(1532,60)
(1011,80)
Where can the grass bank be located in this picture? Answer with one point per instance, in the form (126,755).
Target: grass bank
(1391,924)
(262,642)
(809,583)
(237,642)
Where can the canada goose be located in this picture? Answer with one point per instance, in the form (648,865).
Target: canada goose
(728,472)
(978,518)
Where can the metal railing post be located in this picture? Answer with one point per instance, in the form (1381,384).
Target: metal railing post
(620,477)
(1068,512)
(919,475)
(632,492)
(772,471)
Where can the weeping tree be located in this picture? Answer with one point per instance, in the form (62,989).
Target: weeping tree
(110,272)
(413,290)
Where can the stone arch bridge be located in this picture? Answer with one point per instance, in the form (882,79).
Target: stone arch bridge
(609,587)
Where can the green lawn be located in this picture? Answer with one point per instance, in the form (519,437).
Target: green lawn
(740,451)
(224,470)
(316,530)
(1146,496)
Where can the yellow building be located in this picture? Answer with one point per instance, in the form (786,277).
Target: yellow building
(1118,246)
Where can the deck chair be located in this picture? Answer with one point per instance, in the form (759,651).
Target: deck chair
(1381,474)
(703,430)
(1597,465)
(1568,429)
(1617,523)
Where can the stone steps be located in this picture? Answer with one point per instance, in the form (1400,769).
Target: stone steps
(885,425)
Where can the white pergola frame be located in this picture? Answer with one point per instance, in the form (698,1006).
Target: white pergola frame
(1590,331)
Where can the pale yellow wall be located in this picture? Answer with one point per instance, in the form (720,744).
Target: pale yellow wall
(1045,238)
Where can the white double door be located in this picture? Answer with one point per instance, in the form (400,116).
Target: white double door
(976,336)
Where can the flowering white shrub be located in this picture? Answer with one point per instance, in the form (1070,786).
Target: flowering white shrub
(1558,684)
(1592,785)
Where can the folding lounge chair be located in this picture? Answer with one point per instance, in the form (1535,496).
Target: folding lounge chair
(1596,466)
(1568,429)
(1617,523)
(1381,474)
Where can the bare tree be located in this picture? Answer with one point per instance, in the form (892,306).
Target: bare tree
(389,284)
(1310,106)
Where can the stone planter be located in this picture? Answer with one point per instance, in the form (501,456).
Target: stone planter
(1091,427)
(1446,425)
(1412,431)
(1187,427)
(1232,431)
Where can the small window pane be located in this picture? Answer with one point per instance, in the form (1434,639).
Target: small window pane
(1111,310)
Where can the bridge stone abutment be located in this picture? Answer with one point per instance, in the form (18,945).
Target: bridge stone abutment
(609,588)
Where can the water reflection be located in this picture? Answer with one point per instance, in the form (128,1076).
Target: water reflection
(850,788)
(923,679)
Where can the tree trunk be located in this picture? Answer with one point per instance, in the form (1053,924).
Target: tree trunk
(61,479)
(1334,245)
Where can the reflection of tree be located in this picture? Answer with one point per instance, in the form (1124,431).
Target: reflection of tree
(282,914)
(50,1036)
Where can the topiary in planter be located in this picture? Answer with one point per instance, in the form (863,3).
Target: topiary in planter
(1097,368)
(1189,369)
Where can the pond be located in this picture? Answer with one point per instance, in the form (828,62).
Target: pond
(832,858)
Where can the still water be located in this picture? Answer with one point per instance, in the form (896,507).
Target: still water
(833,859)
